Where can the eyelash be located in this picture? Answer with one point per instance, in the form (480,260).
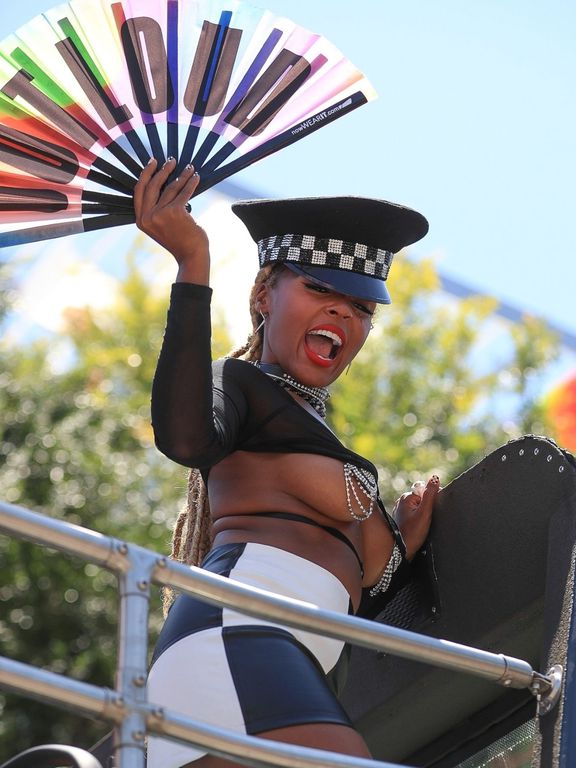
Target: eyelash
(316,287)
(355,304)
(364,309)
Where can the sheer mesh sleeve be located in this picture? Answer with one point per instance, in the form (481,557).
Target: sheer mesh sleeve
(193,425)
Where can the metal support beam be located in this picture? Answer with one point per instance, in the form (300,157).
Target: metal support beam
(127,707)
(505,670)
(132,670)
(82,698)
(107,705)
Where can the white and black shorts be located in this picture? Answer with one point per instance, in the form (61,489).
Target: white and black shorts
(240,673)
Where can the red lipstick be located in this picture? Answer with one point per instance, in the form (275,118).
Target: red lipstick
(328,333)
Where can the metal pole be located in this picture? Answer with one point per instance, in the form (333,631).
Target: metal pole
(251,750)
(101,703)
(505,670)
(107,705)
(83,698)
(74,539)
(134,587)
(128,708)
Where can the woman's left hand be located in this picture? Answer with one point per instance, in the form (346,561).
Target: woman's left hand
(413,513)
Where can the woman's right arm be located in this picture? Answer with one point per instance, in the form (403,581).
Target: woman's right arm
(182,398)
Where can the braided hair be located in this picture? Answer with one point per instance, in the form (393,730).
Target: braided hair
(192,534)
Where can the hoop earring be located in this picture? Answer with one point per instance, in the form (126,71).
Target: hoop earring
(263,316)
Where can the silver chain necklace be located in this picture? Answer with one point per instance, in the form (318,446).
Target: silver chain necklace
(356,479)
(316,396)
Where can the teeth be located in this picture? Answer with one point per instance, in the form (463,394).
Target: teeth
(329,335)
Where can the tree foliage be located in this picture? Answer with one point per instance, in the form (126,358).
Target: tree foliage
(440,383)
(77,445)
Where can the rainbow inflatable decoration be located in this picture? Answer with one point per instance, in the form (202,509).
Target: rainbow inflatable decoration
(560,405)
(91,89)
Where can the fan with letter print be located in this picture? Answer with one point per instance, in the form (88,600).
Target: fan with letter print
(90,90)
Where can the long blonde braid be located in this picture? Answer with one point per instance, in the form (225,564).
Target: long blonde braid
(192,534)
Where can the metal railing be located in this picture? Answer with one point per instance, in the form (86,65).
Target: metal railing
(127,706)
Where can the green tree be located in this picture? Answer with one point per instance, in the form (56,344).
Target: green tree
(78,446)
(427,394)
(5,289)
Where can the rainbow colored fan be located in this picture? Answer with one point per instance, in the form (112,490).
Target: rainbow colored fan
(91,89)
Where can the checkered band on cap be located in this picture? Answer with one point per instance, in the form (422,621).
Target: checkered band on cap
(326,252)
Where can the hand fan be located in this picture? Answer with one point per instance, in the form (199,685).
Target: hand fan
(91,89)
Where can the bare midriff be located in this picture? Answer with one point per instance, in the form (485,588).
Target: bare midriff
(245,484)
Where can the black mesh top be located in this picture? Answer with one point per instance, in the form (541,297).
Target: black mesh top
(201,412)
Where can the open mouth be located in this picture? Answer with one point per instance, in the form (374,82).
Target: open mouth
(324,344)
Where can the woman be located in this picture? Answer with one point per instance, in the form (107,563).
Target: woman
(291,509)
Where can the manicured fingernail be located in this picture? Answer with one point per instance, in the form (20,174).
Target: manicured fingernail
(418,488)
(152,160)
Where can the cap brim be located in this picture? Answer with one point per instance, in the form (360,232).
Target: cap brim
(348,283)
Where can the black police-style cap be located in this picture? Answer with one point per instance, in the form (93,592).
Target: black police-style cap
(345,243)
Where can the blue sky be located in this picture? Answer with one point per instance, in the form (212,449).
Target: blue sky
(474,126)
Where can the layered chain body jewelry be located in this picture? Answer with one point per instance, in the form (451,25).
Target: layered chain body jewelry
(361,485)
(316,396)
(384,581)
(360,480)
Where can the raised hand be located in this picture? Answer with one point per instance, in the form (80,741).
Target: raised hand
(162,214)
